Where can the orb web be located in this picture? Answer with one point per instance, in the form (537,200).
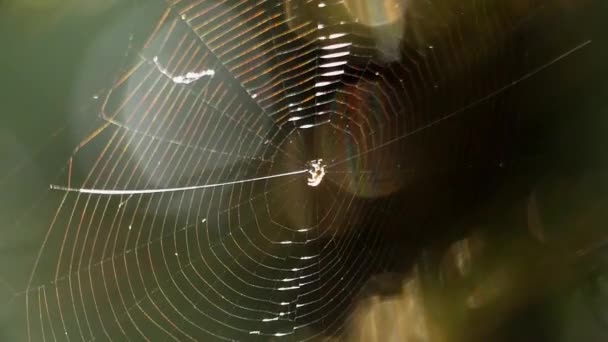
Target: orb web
(224,104)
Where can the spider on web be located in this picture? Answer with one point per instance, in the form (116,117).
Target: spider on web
(317,172)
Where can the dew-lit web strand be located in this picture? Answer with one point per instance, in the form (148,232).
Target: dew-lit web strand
(164,190)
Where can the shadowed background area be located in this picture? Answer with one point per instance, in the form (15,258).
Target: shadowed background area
(463,142)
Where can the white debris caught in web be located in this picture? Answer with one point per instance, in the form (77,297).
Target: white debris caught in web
(188,78)
(316,171)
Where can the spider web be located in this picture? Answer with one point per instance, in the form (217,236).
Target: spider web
(217,92)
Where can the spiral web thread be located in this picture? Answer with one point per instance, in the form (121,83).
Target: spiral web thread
(220,92)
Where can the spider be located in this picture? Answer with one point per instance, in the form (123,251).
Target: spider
(317,172)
